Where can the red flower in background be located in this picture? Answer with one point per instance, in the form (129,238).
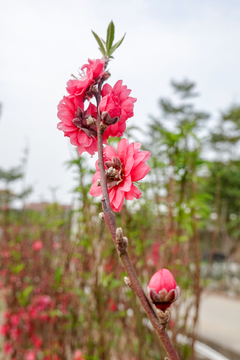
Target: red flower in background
(52,357)
(117,103)
(123,168)
(7,348)
(162,289)
(78,355)
(37,341)
(30,355)
(5,328)
(37,245)
(112,305)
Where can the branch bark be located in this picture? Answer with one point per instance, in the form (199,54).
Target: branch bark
(109,218)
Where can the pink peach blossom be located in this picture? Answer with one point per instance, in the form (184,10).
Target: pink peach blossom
(94,70)
(30,355)
(123,168)
(51,357)
(78,355)
(37,341)
(7,314)
(15,319)
(5,328)
(117,103)
(42,302)
(73,124)
(15,333)
(7,348)
(75,121)
(37,245)
(56,245)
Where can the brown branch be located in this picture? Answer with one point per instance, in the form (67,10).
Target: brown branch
(109,218)
(197,288)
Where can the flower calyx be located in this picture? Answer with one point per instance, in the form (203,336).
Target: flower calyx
(164,316)
(86,123)
(107,120)
(114,172)
(106,76)
(91,91)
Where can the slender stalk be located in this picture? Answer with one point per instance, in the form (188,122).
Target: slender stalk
(197,288)
(109,218)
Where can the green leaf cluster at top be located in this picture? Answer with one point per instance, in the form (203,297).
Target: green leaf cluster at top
(106,47)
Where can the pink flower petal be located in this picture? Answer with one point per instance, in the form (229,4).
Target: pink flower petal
(117,87)
(107,89)
(118,200)
(141,156)
(92,148)
(129,161)
(121,149)
(137,147)
(130,194)
(126,184)
(112,193)
(124,95)
(81,149)
(64,127)
(140,171)
(96,176)
(109,152)
(74,138)
(83,139)
(137,192)
(95,190)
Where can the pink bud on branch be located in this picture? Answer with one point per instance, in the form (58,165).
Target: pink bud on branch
(162,289)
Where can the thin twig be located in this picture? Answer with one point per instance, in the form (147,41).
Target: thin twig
(109,218)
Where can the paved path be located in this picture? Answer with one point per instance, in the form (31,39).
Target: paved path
(219,321)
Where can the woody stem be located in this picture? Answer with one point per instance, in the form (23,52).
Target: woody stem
(110,220)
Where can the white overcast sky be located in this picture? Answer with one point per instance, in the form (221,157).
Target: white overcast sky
(44,41)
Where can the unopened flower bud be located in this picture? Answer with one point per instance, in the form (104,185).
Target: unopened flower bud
(106,75)
(107,120)
(127,281)
(94,90)
(101,216)
(105,117)
(162,289)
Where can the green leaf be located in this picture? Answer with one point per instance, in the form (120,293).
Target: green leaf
(26,292)
(56,312)
(183,238)
(58,275)
(110,36)
(115,46)
(17,268)
(24,295)
(101,46)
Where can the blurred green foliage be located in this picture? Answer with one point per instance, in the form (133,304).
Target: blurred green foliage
(189,206)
